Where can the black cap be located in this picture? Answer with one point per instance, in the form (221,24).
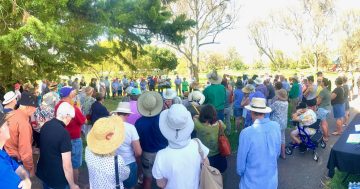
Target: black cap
(301,105)
(28,99)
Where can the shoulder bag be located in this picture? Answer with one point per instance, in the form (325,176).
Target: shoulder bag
(223,142)
(210,177)
(117,173)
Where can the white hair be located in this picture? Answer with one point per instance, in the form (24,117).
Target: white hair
(65,109)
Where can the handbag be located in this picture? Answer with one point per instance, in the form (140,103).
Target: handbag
(223,142)
(210,177)
(117,173)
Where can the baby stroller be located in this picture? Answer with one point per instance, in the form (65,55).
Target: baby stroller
(311,142)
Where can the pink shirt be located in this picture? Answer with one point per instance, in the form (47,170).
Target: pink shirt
(136,115)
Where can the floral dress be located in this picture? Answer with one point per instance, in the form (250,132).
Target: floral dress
(280,113)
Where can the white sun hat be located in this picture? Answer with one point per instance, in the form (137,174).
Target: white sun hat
(123,107)
(9,97)
(258,105)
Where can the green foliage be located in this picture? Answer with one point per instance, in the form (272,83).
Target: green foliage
(161,58)
(234,60)
(350,51)
(45,39)
(258,65)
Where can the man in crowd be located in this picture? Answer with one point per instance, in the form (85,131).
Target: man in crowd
(19,145)
(178,85)
(259,149)
(74,129)
(9,101)
(107,87)
(294,94)
(54,167)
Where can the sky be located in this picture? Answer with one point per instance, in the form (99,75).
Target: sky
(252,10)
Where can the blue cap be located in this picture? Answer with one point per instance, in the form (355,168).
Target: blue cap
(135,91)
(65,91)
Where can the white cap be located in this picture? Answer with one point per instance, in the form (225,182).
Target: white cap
(9,97)
(65,109)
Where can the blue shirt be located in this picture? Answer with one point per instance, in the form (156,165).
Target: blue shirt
(238,96)
(151,139)
(259,148)
(286,86)
(8,178)
(98,111)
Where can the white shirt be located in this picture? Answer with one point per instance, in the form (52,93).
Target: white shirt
(102,170)
(126,150)
(181,167)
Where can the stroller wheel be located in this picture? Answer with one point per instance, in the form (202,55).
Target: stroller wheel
(288,150)
(322,144)
(316,158)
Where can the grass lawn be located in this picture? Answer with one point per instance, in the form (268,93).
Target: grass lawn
(336,181)
(111,104)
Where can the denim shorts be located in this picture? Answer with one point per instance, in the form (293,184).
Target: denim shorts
(131,181)
(76,153)
(322,114)
(238,112)
(339,110)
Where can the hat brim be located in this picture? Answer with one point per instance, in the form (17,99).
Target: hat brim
(106,146)
(201,101)
(259,110)
(122,110)
(170,134)
(158,106)
(169,97)
(9,100)
(214,81)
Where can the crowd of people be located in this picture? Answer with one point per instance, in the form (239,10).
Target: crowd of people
(156,136)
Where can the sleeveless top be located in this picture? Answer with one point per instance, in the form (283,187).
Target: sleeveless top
(312,94)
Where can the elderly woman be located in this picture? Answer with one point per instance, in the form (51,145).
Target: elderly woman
(338,104)
(106,170)
(168,96)
(86,104)
(280,115)
(207,128)
(324,106)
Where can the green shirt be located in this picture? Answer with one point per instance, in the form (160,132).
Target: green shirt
(325,99)
(294,91)
(185,86)
(208,134)
(215,95)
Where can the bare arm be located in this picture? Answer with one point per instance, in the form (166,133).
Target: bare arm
(25,180)
(68,170)
(333,96)
(161,183)
(137,148)
(318,100)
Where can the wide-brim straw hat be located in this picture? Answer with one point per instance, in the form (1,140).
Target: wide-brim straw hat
(106,135)
(248,88)
(258,105)
(196,96)
(123,107)
(176,124)
(282,94)
(150,104)
(214,78)
(9,97)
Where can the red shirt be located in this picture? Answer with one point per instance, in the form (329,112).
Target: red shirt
(74,127)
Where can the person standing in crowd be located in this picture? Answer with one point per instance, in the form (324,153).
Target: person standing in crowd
(184,86)
(178,85)
(195,101)
(338,104)
(82,82)
(294,94)
(207,130)
(103,139)
(270,89)
(17,87)
(310,92)
(178,165)
(238,109)
(285,83)
(115,88)
(168,96)
(98,110)
(151,83)
(215,94)
(102,87)
(261,87)
(107,87)
(279,114)
(93,84)
(228,108)
(19,145)
(346,100)
(259,149)
(9,102)
(74,129)
(12,174)
(75,84)
(232,82)
(149,105)
(143,84)
(324,106)
(247,90)
(132,118)
(125,84)
(88,101)
(54,168)
(131,148)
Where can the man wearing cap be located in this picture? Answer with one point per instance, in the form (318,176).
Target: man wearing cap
(19,145)
(54,167)
(215,94)
(9,101)
(12,174)
(259,149)
(149,106)
(74,129)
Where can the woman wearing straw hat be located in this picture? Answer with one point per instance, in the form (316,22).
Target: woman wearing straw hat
(215,94)
(247,90)
(178,165)
(207,130)
(280,115)
(149,105)
(106,170)
(131,148)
